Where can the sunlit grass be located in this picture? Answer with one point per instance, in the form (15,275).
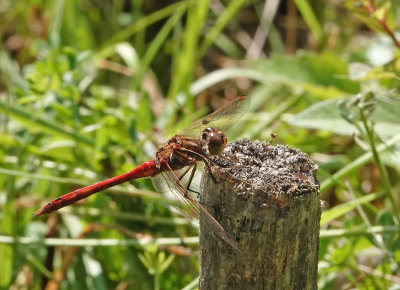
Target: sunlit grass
(92,88)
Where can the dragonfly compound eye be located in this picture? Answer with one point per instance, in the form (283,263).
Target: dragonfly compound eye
(213,141)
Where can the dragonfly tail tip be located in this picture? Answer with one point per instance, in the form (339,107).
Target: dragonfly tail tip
(38,212)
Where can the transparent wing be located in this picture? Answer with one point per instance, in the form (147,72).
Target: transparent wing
(168,184)
(222,119)
(175,191)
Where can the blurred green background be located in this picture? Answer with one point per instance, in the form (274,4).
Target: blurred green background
(89,88)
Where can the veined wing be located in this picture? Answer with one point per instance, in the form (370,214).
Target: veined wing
(168,184)
(221,119)
(174,190)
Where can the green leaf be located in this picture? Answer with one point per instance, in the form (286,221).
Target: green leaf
(323,72)
(326,115)
(342,209)
(94,272)
(165,263)
(361,13)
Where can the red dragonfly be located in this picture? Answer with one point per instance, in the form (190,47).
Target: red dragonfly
(172,164)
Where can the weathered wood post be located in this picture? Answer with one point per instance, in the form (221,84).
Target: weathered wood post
(278,246)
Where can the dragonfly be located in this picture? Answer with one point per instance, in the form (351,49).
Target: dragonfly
(175,165)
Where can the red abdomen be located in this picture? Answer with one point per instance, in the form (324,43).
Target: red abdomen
(146,169)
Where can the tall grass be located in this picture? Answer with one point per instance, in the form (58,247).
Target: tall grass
(88,89)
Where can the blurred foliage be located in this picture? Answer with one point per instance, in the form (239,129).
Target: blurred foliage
(89,88)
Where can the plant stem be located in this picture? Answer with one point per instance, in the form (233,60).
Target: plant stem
(371,8)
(377,160)
(157,281)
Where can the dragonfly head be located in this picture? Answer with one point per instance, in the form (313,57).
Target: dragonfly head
(213,142)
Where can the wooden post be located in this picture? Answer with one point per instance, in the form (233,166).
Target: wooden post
(278,246)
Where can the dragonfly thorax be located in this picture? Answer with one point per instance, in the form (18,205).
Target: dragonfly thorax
(212,141)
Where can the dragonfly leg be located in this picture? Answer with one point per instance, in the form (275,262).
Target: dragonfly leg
(184,173)
(194,191)
(191,179)
(214,179)
(193,168)
(209,205)
(180,177)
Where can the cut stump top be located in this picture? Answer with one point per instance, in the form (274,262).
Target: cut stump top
(278,245)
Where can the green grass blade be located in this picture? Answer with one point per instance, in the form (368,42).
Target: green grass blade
(56,242)
(158,41)
(192,285)
(6,262)
(342,209)
(187,57)
(310,18)
(360,161)
(222,21)
(7,226)
(339,233)
(144,22)
(32,119)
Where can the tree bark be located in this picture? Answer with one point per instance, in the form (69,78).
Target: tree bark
(278,245)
